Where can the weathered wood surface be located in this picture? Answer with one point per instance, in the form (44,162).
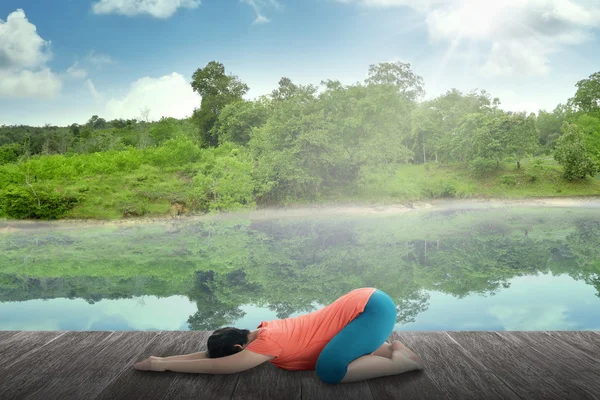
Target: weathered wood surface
(458,365)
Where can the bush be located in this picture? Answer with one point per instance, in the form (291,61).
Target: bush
(174,152)
(572,153)
(9,153)
(535,171)
(227,185)
(481,167)
(439,190)
(9,175)
(509,180)
(21,202)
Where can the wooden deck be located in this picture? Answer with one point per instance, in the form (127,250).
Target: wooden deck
(458,365)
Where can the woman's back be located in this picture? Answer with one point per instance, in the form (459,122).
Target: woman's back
(297,342)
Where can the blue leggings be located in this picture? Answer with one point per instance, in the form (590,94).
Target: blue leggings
(362,336)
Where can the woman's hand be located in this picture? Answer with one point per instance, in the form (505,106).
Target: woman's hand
(150,364)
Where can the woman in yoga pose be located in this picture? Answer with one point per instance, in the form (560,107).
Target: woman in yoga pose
(344,342)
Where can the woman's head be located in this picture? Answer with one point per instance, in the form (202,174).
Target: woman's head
(226,341)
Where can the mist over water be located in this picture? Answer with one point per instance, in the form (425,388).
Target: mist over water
(448,266)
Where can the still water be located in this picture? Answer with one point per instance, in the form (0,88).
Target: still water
(447,268)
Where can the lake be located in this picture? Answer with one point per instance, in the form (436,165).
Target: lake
(452,266)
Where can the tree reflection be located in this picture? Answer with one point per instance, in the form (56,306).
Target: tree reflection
(296,266)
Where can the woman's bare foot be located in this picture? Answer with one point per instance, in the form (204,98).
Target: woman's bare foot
(401,352)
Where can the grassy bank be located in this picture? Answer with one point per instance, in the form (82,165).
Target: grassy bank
(430,181)
(145,186)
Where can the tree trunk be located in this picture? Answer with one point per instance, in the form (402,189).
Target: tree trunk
(518,164)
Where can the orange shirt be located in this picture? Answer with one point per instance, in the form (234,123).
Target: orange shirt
(297,342)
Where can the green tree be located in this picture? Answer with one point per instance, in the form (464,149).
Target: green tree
(96,122)
(435,122)
(9,153)
(163,130)
(590,127)
(572,153)
(238,119)
(549,125)
(522,137)
(217,90)
(480,136)
(285,90)
(587,97)
(399,75)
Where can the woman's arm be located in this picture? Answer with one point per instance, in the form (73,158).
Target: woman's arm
(193,356)
(232,364)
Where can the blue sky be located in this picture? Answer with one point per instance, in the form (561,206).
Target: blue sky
(65,60)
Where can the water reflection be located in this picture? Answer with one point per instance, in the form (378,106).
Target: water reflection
(515,269)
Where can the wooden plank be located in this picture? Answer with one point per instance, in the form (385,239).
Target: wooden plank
(200,386)
(571,364)
(133,384)
(23,343)
(86,377)
(74,365)
(528,373)
(315,389)
(456,371)
(4,335)
(29,373)
(586,341)
(268,382)
(411,385)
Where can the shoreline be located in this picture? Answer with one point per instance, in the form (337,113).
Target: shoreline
(348,209)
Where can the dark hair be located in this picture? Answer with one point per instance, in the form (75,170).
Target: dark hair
(222,342)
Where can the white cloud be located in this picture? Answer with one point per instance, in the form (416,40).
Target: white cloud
(258,6)
(76,72)
(98,59)
(23,57)
(533,317)
(520,34)
(92,89)
(155,8)
(168,96)
(42,84)
(93,60)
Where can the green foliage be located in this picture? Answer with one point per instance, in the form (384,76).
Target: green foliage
(587,97)
(26,202)
(9,153)
(549,126)
(535,171)
(572,153)
(217,90)
(435,122)
(590,127)
(307,143)
(481,167)
(509,180)
(163,130)
(398,75)
(176,151)
(224,264)
(439,189)
(238,119)
(10,174)
(314,145)
(521,138)
(226,185)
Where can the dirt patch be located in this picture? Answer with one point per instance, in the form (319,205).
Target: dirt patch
(178,211)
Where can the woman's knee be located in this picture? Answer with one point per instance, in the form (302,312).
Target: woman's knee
(331,370)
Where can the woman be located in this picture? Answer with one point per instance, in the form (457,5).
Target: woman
(344,342)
